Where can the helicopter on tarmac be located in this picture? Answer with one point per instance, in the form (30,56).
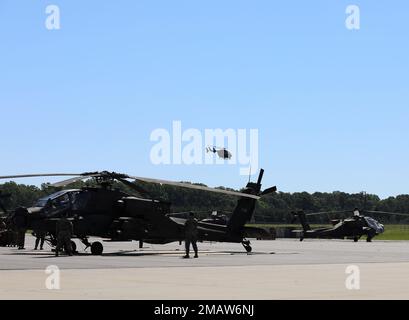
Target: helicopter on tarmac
(119,216)
(354,227)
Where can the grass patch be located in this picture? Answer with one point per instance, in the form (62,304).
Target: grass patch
(395,232)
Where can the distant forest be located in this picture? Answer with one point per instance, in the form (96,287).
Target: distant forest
(275,208)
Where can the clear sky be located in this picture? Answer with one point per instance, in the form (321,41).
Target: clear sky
(331,104)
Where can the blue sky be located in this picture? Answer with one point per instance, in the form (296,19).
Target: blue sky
(331,105)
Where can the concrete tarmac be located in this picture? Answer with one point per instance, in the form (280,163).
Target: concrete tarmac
(281,269)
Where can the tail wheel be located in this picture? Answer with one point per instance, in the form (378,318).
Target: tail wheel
(97,248)
(356,239)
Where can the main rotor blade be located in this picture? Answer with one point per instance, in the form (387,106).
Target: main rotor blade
(72,180)
(77,177)
(195,187)
(328,212)
(390,213)
(133,186)
(40,175)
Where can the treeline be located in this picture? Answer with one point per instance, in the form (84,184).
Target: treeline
(274,208)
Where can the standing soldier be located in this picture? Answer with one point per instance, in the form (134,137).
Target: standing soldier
(11,231)
(64,233)
(20,220)
(3,233)
(191,235)
(40,234)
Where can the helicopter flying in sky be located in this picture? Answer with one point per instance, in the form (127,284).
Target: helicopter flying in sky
(223,153)
(120,216)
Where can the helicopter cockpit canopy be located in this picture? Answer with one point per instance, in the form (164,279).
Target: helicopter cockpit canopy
(60,199)
(372,223)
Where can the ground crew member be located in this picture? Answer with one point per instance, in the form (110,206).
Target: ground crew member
(11,233)
(191,235)
(40,234)
(3,234)
(64,233)
(20,221)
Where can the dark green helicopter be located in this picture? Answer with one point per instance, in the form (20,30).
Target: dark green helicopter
(118,216)
(354,227)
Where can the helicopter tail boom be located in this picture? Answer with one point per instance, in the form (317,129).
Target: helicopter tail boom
(245,209)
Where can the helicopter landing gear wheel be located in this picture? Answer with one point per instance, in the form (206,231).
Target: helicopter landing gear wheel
(97,248)
(247,246)
(356,239)
(369,239)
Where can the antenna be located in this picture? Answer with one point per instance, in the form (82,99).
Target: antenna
(364,195)
(250,173)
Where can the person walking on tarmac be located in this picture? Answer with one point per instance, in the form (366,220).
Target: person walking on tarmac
(20,220)
(191,235)
(64,233)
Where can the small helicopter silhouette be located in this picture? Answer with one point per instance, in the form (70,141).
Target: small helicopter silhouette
(223,153)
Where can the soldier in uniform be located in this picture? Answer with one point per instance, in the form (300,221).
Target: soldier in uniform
(40,233)
(191,235)
(64,233)
(20,221)
(11,232)
(3,233)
